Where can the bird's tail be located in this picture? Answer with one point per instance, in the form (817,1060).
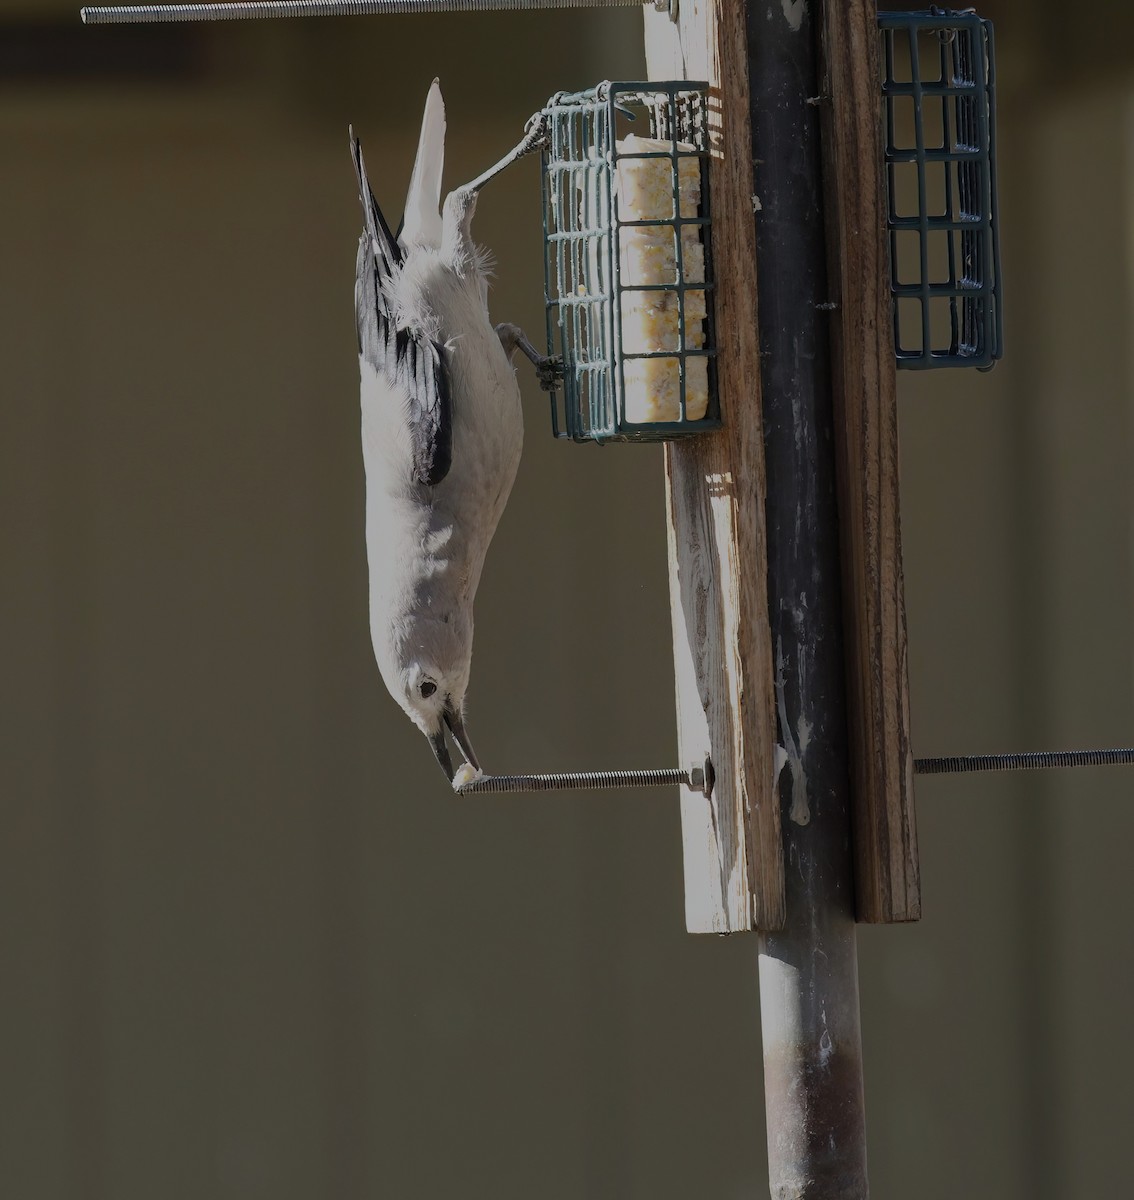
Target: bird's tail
(421,224)
(379,261)
(376,227)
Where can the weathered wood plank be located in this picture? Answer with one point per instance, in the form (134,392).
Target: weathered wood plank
(715,490)
(887,879)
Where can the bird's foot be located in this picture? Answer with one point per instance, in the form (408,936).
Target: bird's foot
(548,369)
(535,138)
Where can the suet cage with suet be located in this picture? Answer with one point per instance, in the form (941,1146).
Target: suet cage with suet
(628,261)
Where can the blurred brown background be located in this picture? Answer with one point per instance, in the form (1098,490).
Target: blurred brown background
(249,947)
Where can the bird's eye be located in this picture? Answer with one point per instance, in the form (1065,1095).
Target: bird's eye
(427,688)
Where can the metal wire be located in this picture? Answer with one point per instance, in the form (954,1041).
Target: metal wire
(576,780)
(243,11)
(1040,760)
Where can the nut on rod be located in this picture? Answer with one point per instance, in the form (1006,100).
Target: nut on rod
(245,10)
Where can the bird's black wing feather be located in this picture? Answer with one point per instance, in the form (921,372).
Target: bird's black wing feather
(408,359)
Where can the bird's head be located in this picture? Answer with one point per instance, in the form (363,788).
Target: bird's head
(425,659)
(434,700)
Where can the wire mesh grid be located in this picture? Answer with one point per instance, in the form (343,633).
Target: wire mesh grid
(938,88)
(628,262)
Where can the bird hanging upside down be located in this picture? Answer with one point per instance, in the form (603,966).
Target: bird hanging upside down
(442,432)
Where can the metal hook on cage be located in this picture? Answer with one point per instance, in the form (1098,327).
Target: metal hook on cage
(948,34)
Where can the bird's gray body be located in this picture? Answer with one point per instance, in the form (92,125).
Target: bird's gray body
(425,544)
(442,432)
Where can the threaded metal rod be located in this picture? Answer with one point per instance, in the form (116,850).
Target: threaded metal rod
(577,780)
(565,781)
(244,11)
(573,780)
(1040,760)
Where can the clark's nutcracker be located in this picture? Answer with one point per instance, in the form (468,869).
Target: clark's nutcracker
(441,432)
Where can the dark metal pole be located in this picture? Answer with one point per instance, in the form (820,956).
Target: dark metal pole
(809,970)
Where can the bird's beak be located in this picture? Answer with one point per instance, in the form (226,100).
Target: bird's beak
(456,725)
(441,750)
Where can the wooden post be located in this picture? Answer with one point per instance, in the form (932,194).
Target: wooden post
(715,494)
(715,488)
(887,879)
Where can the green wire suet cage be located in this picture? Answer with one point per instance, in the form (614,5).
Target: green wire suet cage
(628,262)
(939,102)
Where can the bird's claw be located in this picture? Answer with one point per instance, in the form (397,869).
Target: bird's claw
(537,133)
(549,371)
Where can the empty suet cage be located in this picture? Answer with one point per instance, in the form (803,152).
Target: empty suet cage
(628,262)
(938,88)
